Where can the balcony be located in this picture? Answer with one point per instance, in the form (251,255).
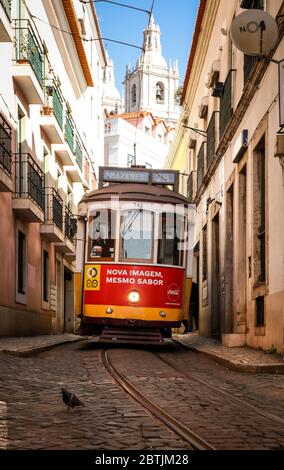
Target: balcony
(6,182)
(66,150)
(28,69)
(76,170)
(52,228)
(51,120)
(28,198)
(6,32)
(79,155)
(70,228)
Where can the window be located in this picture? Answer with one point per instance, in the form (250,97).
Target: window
(5,145)
(130,160)
(204,254)
(160,91)
(21,263)
(147,130)
(259,175)
(190,196)
(136,235)
(211,140)
(101,235)
(69,197)
(226,105)
(259,320)
(133,94)
(45,276)
(256,4)
(171,239)
(249,63)
(200,165)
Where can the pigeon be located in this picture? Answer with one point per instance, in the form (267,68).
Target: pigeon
(70,400)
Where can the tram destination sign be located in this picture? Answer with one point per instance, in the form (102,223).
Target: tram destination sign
(139,175)
(126,176)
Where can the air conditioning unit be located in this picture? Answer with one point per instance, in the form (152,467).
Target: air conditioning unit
(240,146)
(217,89)
(203,108)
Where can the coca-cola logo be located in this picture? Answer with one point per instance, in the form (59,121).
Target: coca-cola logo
(173,292)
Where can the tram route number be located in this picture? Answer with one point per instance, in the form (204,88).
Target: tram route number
(160,460)
(92,277)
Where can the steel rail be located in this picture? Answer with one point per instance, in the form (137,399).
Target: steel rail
(185,433)
(238,401)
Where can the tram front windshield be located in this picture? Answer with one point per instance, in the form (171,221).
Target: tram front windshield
(136,235)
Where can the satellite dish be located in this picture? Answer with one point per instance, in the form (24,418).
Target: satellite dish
(254,32)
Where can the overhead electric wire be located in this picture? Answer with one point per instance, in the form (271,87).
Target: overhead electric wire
(116,3)
(81,37)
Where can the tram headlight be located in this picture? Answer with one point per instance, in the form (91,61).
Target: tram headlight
(163,314)
(134,297)
(109,311)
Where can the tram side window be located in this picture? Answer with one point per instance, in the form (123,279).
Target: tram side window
(136,235)
(101,235)
(171,239)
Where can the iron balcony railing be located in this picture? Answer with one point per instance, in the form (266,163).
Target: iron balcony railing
(53,208)
(200,165)
(54,101)
(29,181)
(29,48)
(5,146)
(211,140)
(69,132)
(79,155)
(70,225)
(226,106)
(6,4)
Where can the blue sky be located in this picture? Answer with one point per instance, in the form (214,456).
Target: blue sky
(176,19)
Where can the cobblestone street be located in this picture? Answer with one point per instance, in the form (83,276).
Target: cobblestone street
(33,415)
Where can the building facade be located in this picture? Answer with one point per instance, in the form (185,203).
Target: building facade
(152,85)
(51,141)
(136,139)
(233,160)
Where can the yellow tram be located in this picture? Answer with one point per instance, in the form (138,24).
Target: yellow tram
(134,256)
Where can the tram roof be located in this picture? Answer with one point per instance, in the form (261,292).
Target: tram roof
(136,192)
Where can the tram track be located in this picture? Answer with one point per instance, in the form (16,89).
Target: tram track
(195,441)
(217,390)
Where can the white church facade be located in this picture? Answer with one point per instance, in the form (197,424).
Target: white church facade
(140,130)
(152,85)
